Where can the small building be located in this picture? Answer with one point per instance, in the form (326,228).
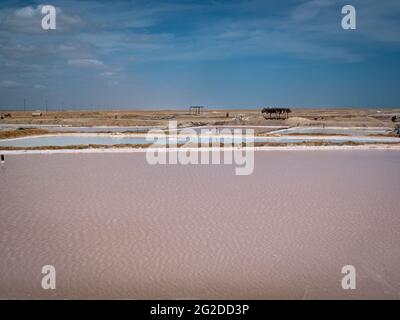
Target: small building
(276,111)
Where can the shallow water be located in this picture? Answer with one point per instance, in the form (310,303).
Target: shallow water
(59,128)
(115,140)
(115,227)
(350,131)
(70,141)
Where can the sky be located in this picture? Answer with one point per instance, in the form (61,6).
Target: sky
(124,54)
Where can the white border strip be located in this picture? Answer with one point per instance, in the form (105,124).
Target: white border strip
(380,147)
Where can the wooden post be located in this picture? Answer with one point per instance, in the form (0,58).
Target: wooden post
(2,159)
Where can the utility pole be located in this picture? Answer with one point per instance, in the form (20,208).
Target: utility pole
(24,104)
(46,106)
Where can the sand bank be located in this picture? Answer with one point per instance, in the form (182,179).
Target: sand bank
(377,147)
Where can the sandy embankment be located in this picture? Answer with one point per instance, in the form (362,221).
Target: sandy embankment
(377,147)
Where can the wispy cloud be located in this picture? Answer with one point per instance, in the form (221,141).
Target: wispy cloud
(85,63)
(9,84)
(39,87)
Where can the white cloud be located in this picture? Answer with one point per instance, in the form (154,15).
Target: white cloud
(107,74)
(85,63)
(26,12)
(9,84)
(39,87)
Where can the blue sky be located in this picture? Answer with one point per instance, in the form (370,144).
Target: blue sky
(171,54)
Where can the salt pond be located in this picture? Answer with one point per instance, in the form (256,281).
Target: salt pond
(116,227)
(97,139)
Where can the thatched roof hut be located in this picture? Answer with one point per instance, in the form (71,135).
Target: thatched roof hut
(277,111)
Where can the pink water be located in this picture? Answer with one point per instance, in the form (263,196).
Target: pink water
(115,227)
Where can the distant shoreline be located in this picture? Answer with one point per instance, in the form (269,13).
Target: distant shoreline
(145,118)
